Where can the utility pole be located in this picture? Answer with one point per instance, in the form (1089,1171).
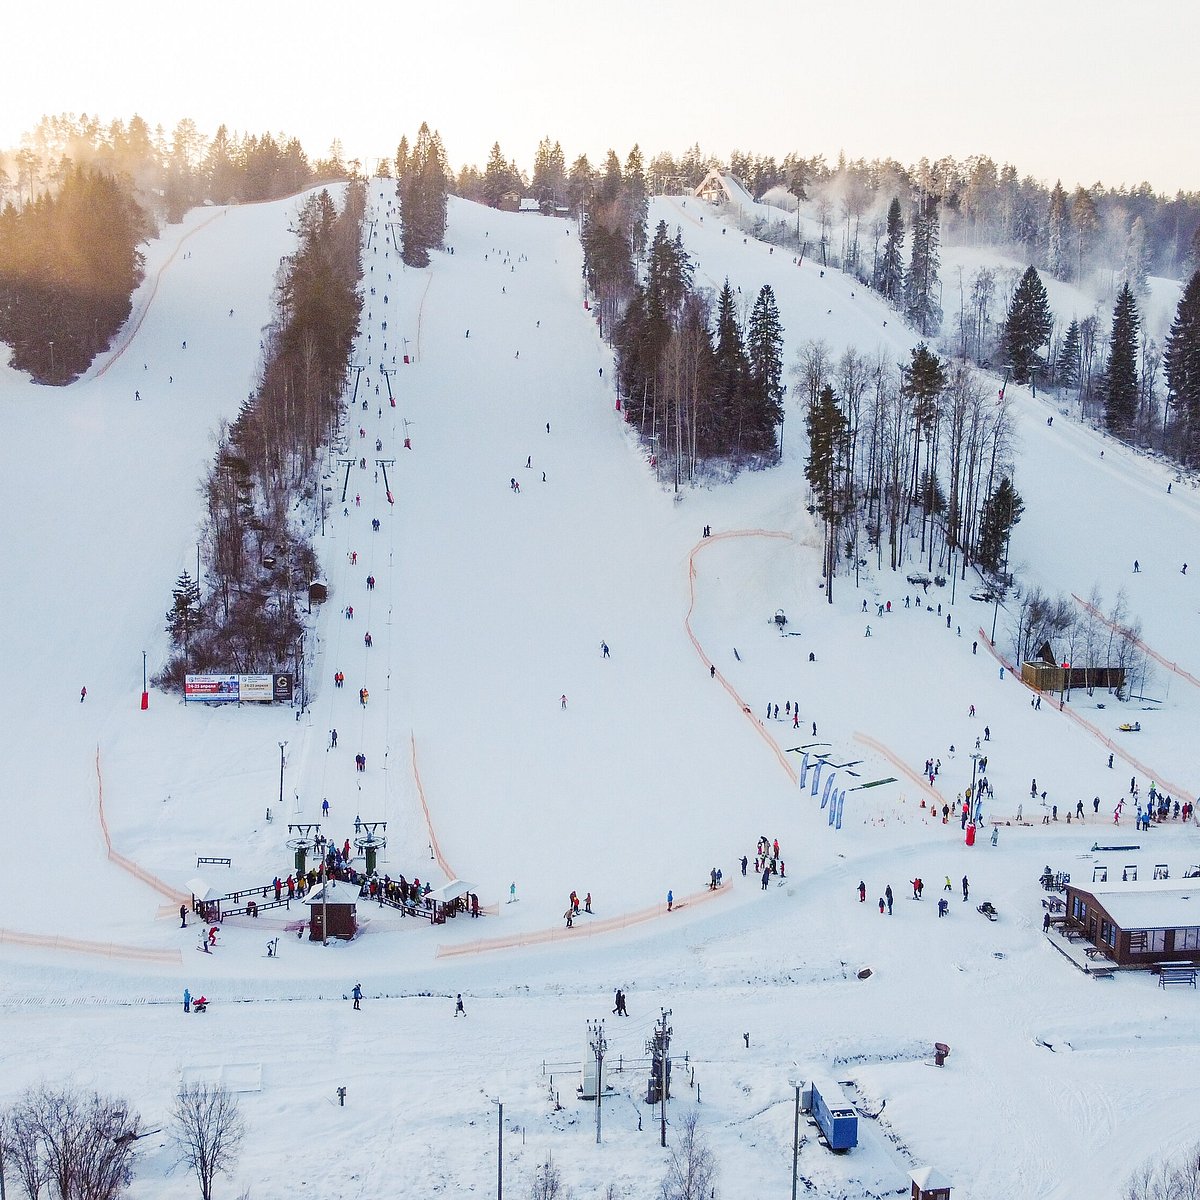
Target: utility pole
(281,746)
(500,1150)
(599,1045)
(664,1045)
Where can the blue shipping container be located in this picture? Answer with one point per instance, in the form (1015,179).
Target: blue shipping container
(834,1115)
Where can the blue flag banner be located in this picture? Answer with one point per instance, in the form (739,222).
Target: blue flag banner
(828,786)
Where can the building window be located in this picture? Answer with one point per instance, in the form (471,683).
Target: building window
(1079,909)
(1154,941)
(1187,939)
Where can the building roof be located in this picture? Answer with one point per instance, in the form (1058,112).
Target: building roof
(1152,904)
(929,1179)
(339,893)
(449,891)
(203,892)
(729,185)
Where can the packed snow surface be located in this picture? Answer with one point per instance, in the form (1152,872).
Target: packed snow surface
(503,748)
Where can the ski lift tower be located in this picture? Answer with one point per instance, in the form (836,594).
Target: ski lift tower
(370,838)
(302,841)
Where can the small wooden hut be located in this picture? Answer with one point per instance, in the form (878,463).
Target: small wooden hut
(928,1183)
(333,914)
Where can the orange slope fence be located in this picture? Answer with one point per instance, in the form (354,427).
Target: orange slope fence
(13,937)
(131,330)
(898,764)
(540,937)
(1158,658)
(433,840)
(759,727)
(127,864)
(1119,750)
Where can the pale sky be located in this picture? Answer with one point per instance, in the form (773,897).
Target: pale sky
(1077,89)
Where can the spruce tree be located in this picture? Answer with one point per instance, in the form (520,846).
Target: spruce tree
(637,202)
(889,277)
(1066,367)
(1028,325)
(549,176)
(581,183)
(1137,258)
(826,425)
(497,178)
(1001,511)
(764,350)
(730,370)
(921,304)
(1058,234)
(1181,364)
(1120,384)
(184,616)
(423,193)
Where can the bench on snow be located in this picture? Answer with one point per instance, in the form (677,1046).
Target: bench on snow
(1168,975)
(213,862)
(1101,973)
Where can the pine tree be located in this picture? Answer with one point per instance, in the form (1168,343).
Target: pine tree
(1181,361)
(826,425)
(1120,384)
(920,297)
(1027,328)
(889,278)
(764,350)
(1066,368)
(1001,511)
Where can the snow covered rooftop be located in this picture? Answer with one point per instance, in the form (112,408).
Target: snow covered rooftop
(339,893)
(450,891)
(1154,904)
(929,1179)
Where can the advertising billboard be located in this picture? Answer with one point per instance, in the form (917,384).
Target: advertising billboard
(212,689)
(256,687)
(218,689)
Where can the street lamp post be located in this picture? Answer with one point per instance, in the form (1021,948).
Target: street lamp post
(795,1082)
(281,746)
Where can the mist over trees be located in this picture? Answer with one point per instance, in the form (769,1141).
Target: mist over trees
(69,262)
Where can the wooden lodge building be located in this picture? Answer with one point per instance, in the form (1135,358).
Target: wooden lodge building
(1045,674)
(1138,924)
